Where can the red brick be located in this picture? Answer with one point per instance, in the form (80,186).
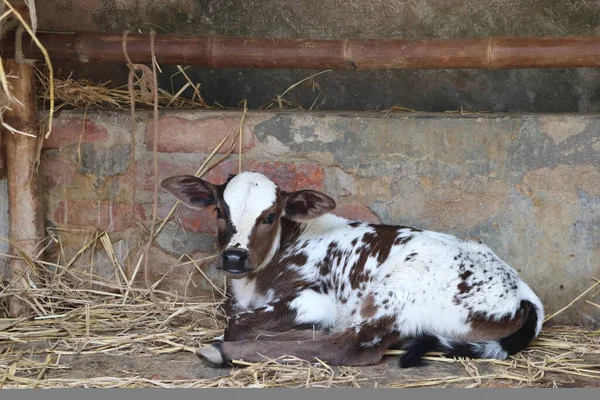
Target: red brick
(89,215)
(144,172)
(69,130)
(192,220)
(56,173)
(356,212)
(288,176)
(180,135)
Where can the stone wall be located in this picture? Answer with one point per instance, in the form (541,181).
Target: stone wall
(528,186)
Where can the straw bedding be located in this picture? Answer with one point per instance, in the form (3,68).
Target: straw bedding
(84,327)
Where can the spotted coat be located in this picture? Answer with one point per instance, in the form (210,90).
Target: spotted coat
(311,284)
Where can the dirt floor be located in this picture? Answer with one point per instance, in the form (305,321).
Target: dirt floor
(185,369)
(186,366)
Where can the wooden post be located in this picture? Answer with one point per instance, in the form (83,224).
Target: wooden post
(26,223)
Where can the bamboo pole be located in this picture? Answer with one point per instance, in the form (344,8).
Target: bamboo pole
(350,54)
(26,226)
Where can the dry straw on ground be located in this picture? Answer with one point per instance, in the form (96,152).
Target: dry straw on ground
(70,318)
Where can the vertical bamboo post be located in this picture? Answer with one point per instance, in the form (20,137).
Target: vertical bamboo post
(26,225)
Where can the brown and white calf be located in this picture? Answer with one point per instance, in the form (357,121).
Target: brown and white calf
(310,284)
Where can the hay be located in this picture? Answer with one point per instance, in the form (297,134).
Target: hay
(119,318)
(279,103)
(85,94)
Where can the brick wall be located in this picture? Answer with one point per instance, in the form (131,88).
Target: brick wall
(529,186)
(97,176)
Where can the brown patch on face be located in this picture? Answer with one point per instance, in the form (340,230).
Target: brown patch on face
(224,225)
(486,328)
(369,308)
(276,275)
(263,234)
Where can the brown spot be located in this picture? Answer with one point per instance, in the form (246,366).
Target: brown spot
(410,256)
(377,244)
(382,328)
(486,328)
(463,287)
(334,258)
(403,240)
(465,275)
(369,308)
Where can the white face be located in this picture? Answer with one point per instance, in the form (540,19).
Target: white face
(249,209)
(247,196)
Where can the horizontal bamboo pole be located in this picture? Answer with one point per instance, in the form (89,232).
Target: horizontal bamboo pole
(351,54)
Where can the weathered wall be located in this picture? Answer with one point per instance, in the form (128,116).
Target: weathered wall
(528,186)
(563,90)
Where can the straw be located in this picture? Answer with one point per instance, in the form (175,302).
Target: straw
(120,319)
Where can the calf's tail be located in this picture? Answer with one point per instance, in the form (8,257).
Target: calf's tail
(498,349)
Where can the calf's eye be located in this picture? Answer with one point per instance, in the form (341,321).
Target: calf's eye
(219,213)
(270,218)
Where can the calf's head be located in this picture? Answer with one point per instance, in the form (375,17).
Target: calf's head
(249,209)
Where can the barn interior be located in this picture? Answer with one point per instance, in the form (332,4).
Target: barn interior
(489,130)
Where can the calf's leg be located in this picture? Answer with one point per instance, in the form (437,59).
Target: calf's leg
(292,335)
(275,321)
(359,345)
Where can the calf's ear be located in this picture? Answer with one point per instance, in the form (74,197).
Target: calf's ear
(304,205)
(190,190)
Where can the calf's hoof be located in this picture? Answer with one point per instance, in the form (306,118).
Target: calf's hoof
(212,356)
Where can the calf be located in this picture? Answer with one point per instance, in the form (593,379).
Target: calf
(310,284)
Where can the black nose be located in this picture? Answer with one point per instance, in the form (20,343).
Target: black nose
(234,261)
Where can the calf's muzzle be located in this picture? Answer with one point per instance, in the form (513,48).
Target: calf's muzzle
(235,262)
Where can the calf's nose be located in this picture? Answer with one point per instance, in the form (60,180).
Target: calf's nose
(235,261)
